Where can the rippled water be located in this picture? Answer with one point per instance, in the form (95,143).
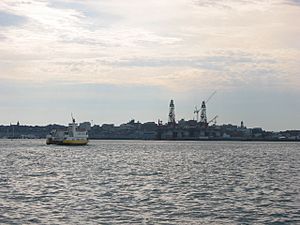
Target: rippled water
(145,182)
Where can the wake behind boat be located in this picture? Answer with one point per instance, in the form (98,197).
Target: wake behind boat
(71,136)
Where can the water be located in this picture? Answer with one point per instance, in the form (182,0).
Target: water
(145,182)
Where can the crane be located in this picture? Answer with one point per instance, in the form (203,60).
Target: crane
(196,111)
(203,118)
(203,108)
(214,120)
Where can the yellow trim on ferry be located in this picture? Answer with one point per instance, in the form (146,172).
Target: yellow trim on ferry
(75,142)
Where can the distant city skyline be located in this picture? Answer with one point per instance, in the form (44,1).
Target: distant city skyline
(112,61)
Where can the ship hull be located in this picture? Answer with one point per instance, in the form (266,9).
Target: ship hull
(66,142)
(74,142)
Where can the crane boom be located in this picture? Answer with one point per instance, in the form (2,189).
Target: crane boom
(210,96)
(213,120)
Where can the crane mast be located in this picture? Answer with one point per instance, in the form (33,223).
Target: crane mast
(172,113)
(203,118)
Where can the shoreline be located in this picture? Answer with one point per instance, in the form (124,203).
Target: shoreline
(171,140)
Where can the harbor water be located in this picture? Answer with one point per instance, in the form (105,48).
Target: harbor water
(149,182)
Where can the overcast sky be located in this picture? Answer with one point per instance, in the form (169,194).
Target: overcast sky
(109,61)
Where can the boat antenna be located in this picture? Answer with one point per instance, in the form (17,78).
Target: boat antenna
(72,118)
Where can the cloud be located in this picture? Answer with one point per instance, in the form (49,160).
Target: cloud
(52,32)
(245,5)
(217,61)
(173,44)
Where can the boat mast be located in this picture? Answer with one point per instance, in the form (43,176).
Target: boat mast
(73,126)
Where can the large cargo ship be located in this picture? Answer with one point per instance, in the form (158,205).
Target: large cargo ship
(71,136)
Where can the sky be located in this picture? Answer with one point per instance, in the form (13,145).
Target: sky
(110,61)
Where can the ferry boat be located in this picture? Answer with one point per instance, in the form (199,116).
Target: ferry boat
(71,136)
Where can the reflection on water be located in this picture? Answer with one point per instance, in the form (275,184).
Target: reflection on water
(145,182)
